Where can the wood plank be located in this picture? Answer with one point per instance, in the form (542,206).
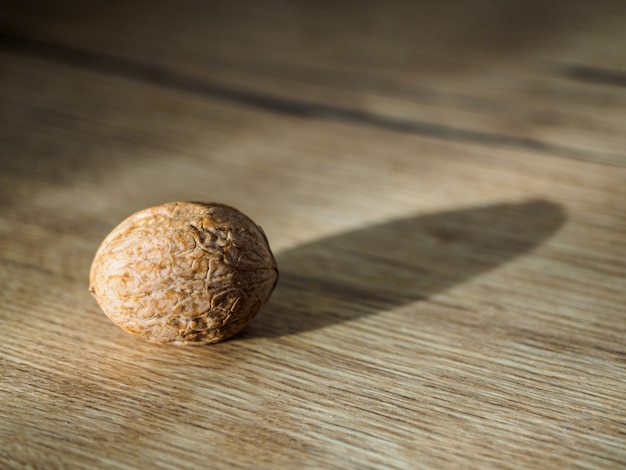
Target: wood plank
(445,300)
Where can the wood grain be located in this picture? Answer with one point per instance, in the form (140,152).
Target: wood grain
(443,188)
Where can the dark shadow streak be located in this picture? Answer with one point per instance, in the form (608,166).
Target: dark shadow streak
(595,75)
(159,76)
(388,265)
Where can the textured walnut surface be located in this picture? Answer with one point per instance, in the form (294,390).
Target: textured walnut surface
(184,272)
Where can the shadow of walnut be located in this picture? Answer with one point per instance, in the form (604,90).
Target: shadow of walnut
(387,265)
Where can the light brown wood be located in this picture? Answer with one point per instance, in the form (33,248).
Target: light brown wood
(443,187)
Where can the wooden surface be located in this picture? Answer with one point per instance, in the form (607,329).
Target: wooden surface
(444,188)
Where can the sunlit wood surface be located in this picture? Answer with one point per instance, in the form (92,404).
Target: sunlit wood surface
(444,187)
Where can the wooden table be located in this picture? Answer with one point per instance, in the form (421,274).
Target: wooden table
(444,188)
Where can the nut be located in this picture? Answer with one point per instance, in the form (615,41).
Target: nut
(184,273)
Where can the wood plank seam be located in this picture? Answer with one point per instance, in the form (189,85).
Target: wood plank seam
(163,77)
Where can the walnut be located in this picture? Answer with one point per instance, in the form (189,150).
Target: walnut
(184,273)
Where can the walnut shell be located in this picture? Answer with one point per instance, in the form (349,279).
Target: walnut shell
(184,273)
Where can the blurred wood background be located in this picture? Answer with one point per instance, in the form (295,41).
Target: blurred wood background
(443,185)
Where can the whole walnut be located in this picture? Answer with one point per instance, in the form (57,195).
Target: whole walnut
(184,273)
